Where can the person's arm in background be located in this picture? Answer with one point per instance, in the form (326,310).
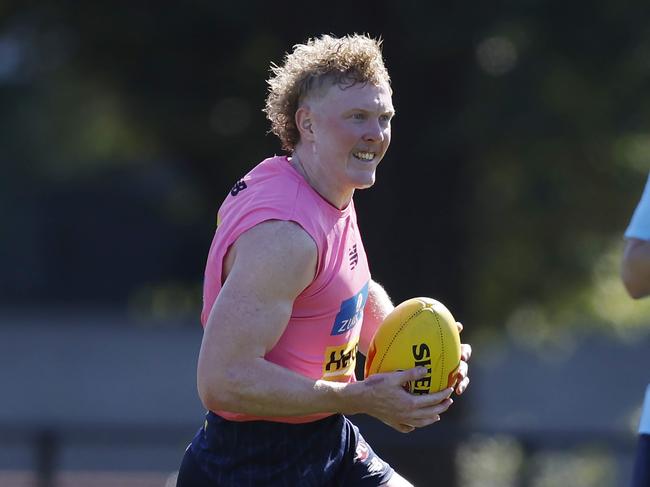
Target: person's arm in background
(378,306)
(635,273)
(635,270)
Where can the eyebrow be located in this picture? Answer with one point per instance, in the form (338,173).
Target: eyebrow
(392,111)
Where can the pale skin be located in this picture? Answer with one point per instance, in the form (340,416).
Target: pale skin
(635,269)
(253,308)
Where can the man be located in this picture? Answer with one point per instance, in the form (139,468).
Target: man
(635,273)
(288,298)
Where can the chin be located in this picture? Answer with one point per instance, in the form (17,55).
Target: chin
(362,179)
(365,184)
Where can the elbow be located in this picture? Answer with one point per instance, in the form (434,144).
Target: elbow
(634,290)
(635,268)
(216,393)
(634,286)
(209,397)
(634,293)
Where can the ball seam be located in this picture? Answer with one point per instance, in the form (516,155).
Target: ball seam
(442,348)
(397,332)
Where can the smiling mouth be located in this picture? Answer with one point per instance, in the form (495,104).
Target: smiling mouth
(364,156)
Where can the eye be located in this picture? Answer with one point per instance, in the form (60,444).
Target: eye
(385,118)
(359,116)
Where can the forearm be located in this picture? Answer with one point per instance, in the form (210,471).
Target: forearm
(635,270)
(378,306)
(265,389)
(262,388)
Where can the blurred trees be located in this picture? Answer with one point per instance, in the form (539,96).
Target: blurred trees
(520,147)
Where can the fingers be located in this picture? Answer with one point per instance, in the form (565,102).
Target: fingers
(420,372)
(423,410)
(426,405)
(437,397)
(462,385)
(465,351)
(420,423)
(462,380)
(406,412)
(429,415)
(461,372)
(420,411)
(465,348)
(401,427)
(404,428)
(430,399)
(465,355)
(412,374)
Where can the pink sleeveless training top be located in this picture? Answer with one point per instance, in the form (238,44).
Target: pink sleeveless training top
(322,336)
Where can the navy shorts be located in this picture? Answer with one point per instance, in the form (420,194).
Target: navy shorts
(324,453)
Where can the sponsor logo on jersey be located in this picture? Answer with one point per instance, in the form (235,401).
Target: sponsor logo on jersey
(339,361)
(351,312)
(238,187)
(354,257)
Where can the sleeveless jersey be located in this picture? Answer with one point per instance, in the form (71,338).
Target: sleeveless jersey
(322,335)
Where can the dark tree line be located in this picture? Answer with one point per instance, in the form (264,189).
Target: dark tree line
(519,147)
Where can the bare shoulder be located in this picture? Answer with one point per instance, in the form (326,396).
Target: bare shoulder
(270,265)
(277,253)
(279,235)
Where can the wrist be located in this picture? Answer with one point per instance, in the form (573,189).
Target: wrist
(344,398)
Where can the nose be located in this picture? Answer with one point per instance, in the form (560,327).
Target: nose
(374,132)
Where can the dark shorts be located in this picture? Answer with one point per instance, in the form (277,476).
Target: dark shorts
(641,476)
(324,453)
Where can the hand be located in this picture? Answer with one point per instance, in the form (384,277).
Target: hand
(465,354)
(386,399)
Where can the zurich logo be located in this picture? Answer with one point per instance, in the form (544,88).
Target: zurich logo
(351,312)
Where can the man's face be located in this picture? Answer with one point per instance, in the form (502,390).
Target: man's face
(351,133)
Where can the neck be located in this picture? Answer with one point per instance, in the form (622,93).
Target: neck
(320,180)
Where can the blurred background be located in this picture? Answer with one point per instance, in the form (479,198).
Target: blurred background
(520,149)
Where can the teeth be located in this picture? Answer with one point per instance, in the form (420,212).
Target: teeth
(367,156)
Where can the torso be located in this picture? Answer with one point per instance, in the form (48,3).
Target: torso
(322,335)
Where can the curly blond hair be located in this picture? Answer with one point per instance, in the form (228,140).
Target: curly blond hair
(343,61)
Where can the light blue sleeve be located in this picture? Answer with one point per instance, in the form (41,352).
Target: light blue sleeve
(644,425)
(640,224)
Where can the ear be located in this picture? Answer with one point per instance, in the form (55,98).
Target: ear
(304,120)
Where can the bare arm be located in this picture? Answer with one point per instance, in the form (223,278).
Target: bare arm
(378,306)
(635,270)
(273,262)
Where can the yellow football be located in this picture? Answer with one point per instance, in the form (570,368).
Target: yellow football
(418,332)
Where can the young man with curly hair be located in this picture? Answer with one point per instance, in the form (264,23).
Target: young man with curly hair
(288,296)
